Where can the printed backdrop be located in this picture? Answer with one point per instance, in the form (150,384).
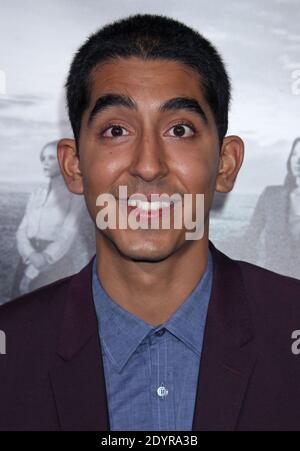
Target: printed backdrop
(260,43)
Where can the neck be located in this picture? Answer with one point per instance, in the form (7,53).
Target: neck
(152,291)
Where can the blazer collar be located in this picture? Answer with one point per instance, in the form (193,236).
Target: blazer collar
(229,351)
(79,321)
(228,355)
(77,375)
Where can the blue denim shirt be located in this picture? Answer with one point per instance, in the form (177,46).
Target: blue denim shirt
(151,373)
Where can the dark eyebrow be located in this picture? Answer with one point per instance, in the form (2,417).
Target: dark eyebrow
(184,103)
(177,103)
(109,100)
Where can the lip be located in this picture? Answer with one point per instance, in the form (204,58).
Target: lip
(148,214)
(149,197)
(144,214)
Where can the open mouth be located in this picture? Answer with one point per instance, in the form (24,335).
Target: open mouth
(149,209)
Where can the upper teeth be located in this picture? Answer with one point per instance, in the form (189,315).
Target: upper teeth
(142,205)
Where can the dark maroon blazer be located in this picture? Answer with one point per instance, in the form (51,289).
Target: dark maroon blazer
(51,377)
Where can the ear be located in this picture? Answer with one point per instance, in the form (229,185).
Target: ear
(70,165)
(231,159)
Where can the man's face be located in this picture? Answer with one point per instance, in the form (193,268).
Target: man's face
(148,148)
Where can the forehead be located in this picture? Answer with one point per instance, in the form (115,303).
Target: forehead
(148,82)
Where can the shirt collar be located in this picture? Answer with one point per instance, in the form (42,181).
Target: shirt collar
(121,332)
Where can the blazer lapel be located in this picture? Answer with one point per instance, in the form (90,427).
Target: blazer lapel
(229,353)
(77,376)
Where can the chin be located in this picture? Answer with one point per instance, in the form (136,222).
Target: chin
(152,248)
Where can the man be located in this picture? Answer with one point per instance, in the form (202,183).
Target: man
(157,332)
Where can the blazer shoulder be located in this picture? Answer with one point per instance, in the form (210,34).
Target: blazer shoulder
(252,273)
(271,294)
(36,304)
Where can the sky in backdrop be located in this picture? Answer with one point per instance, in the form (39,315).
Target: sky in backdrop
(258,39)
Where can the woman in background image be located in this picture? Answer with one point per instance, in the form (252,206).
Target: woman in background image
(49,231)
(274,230)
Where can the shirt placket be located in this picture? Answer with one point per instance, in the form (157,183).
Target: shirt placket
(162,384)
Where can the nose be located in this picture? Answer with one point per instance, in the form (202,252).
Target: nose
(149,162)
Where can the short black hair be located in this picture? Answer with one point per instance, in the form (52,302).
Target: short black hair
(149,36)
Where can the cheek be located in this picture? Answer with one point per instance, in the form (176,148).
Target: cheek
(55,166)
(197,172)
(101,170)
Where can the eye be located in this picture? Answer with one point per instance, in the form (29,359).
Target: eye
(182,130)
(113,131)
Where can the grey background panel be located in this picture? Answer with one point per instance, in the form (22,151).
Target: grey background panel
(260,44)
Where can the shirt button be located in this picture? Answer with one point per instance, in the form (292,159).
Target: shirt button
(162,391)
(160,332)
